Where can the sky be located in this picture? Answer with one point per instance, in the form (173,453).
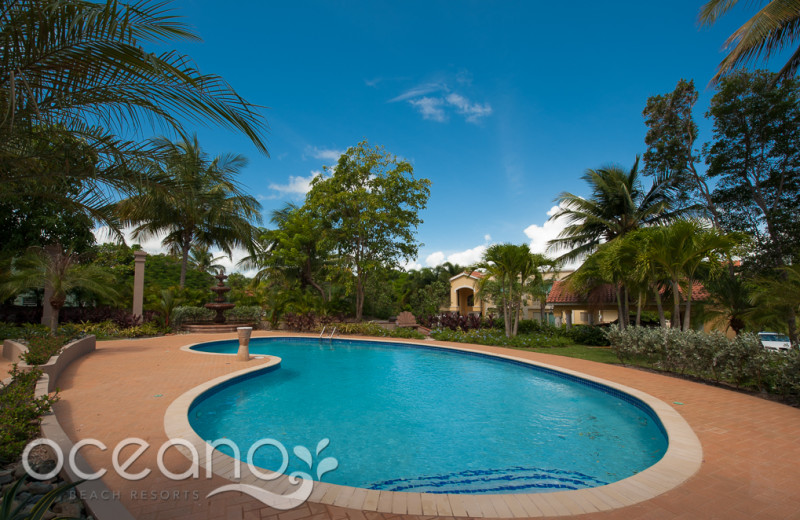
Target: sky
(501,104)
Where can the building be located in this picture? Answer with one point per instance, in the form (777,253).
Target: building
(563,306)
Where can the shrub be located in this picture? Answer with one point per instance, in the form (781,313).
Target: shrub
(245,313)
(40,349)
(186,314)
(499,339)
(371,329)
(300,322)
(20,413)
(740,361)
(588,335)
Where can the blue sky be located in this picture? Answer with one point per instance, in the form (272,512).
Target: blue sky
(502,105)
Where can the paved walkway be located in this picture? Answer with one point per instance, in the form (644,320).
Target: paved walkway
(751,467)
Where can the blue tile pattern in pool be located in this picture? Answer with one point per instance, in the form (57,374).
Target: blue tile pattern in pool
(421,418)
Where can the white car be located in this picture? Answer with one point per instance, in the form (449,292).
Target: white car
(774,341)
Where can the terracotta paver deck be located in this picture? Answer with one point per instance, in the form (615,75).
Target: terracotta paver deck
(751,446)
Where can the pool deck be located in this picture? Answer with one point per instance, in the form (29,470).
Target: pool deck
(751,446)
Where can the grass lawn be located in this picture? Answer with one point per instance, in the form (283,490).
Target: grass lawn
(599,354)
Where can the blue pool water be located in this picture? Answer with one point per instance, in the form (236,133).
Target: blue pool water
(405,418)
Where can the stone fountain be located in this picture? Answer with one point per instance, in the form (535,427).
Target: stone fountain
(219,304)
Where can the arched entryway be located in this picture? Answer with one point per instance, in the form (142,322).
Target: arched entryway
(465,300)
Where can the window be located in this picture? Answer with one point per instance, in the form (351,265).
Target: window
(584,317)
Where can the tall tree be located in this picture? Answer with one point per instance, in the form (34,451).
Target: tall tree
(670,140)
(206,206)
(683,250)
(618,204)
(755,159)
(773,28)
(295,249)
(78,69)
(511,273)
(371,206)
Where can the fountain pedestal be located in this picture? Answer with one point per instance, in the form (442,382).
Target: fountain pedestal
(244,343)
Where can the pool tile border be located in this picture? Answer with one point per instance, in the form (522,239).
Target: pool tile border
(682,460)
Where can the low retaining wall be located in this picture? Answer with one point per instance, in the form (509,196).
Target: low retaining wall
(99,500)
(13,351)
(56,364)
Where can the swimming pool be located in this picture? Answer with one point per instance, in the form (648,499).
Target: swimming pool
(412,418)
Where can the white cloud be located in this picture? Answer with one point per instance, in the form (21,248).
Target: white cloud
(472,112)
(411,265)
(296,187)
(325,154)
(420,90)
(463,258)
(430,108)
(468,257)
(434,259)
(541,235)
(487,238)
(436,100)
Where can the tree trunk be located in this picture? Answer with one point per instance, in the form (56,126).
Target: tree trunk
(359,298)
(184,263)
(639,310)
(676,308)
(661,318)
(620,310)
(55,308)
(625,306)
(687,317)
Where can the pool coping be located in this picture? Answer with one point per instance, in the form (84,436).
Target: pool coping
(681,461)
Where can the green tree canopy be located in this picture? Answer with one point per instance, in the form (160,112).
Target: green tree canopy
(370,205)
(204,207)
(80,70)
(773,28)
(618,204)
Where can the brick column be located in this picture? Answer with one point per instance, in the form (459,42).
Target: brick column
(138,281)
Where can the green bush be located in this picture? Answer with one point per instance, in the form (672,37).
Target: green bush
(588,335)
(20,413)
(741,361)
(371,329)
(245,313)
(40,349)
(110,330)
(498,338)
(186,314)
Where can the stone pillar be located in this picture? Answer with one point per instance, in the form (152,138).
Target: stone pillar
(138,281)
(244,343)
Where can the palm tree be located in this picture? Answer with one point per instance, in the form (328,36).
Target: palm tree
(203,261)
(617,205)
(60,270)
(206,206)
(295,249)
(76,71)
(682,250)
(510,272)
(773,28)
